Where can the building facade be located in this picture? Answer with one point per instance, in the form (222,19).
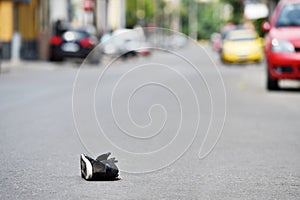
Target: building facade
(20,28)
(26,25)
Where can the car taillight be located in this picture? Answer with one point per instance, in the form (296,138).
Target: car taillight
(55,40)
(86,42)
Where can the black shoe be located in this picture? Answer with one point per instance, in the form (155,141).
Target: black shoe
(100,169)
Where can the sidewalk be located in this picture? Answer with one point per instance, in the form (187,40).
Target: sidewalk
(7,65)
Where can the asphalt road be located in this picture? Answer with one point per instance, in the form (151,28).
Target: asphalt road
(181,126)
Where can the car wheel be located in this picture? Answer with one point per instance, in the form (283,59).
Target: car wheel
(272,84)
(54,58)
(94,57)
(93,60)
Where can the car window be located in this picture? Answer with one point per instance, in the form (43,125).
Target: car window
(74,35)
(240,35)
(289,16)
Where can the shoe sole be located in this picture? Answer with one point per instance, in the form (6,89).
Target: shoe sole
(86,168)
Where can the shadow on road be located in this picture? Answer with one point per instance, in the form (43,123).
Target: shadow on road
(288,89)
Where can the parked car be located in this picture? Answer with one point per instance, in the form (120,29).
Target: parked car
(125,43)
(0,56)
(242,46)
(224,31)
(76,43)
(282,46)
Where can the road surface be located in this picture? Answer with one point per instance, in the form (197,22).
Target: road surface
(160,116)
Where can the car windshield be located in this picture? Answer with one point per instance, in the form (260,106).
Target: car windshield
(74,35)
(241,35)
(289,16)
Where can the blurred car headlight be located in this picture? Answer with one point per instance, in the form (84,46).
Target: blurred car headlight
(227,49)
(282,46)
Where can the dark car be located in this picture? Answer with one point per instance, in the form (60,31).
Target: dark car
(282,47)
(75,43)
(0,56)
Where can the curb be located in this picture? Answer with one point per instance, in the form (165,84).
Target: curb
(7,66)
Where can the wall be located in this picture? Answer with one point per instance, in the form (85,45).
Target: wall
(6,27)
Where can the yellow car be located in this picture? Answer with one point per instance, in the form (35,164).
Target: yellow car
(242,46)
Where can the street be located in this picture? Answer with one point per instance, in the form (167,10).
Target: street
(181,124)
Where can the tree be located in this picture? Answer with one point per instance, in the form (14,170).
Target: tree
(131,18)
(238,10)
(208,17)
(142,12)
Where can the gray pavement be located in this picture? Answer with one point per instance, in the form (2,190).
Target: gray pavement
(256,157)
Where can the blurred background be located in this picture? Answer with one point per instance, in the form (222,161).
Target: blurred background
(204,110)
(26,26)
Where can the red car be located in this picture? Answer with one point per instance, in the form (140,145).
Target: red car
(282,46)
